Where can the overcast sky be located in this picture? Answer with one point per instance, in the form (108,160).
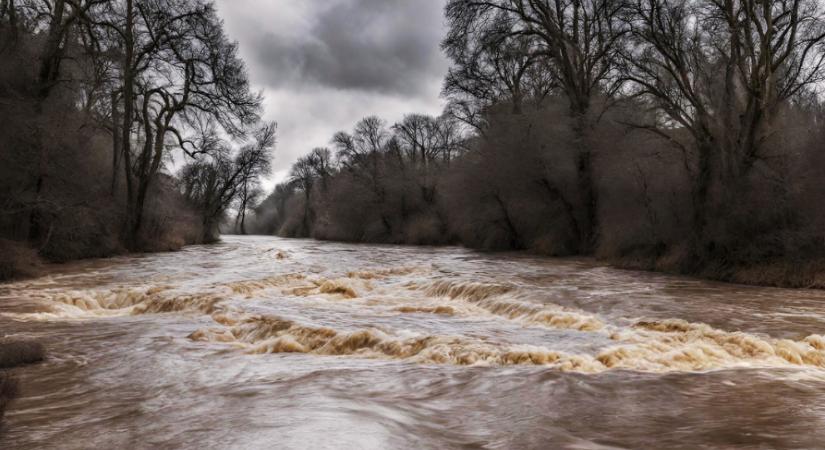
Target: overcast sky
(324,64)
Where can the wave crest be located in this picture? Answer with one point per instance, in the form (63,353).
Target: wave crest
(271,334)
(500,300)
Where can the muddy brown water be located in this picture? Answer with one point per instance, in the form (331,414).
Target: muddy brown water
(262,342)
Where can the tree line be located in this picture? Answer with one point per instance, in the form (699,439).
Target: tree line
(681,135)
(102,103)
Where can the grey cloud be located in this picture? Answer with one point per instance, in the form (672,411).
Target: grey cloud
(324,64)
(387,46)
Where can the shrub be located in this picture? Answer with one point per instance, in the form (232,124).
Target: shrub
(17,260)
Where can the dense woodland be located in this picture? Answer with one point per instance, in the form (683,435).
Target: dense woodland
(677,135)
(125,125)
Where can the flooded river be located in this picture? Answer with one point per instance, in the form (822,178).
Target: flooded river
(262,342)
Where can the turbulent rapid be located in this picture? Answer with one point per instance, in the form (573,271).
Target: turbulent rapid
(263,342)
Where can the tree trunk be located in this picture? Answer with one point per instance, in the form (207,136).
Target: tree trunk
(116,147)
(307,219)
(588,226)
(569,209)
(48,73)
(518,101)
(243,221)
(150,163)
(36,217)
(8,9)
(701,197)
(515,239)
(128,117)
(52,52)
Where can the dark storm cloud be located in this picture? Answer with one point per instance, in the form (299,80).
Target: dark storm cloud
(324,64)
(388,46)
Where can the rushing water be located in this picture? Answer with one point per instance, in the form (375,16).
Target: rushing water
(269,343)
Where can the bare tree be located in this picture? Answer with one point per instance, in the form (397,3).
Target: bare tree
(449,138)
(185,70)
(492,64)
(249,197)
(368,140)
(360,152)
(418,136)
(213,183)
(766,51)
(254,163)
(425,140)
(60,22)
(320,160)
(581,39)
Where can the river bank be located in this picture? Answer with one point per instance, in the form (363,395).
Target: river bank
(19,261)
(779,273)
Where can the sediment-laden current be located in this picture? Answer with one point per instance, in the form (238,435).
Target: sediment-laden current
(261,342)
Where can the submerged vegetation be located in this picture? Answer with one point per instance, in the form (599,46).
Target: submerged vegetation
(13,354)
(683,136)
(8,391)
(101,104)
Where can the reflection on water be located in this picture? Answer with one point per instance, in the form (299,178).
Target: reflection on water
(263,342)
